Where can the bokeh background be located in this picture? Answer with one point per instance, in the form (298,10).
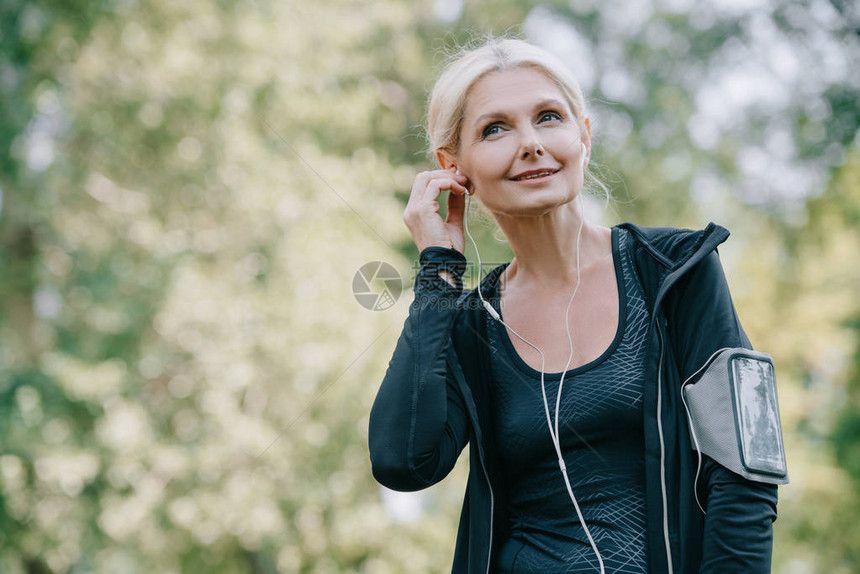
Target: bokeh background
(187,190)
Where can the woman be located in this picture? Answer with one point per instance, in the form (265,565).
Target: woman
(564,369)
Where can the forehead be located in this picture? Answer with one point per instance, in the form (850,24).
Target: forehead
(510,90)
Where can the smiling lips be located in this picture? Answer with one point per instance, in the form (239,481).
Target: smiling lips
(534,174)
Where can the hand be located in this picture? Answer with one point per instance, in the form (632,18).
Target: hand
(422,210)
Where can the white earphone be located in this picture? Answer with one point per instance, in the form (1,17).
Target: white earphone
(553,425)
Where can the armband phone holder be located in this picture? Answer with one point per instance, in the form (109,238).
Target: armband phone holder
(734,415)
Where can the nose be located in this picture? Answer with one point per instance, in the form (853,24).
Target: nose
(530,144)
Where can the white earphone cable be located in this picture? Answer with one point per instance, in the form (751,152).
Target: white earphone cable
(553,425)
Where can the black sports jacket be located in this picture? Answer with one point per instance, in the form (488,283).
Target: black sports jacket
(434,400)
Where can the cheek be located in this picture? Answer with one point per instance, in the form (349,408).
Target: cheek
(563,143)
(492,160)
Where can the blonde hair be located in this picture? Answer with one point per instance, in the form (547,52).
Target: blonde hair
(447,103)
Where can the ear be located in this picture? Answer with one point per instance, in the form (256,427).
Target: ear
(445,159)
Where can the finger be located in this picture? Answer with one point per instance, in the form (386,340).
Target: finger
(461,179)
(426,176)
(445,174)
(418,186)
(435,187)
(423,179)
(456,208)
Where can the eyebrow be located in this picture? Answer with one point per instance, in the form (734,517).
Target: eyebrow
(549,102)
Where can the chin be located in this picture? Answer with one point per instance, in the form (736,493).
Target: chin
(536,205)
(542,201)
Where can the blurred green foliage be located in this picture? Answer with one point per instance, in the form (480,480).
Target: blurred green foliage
(188,188)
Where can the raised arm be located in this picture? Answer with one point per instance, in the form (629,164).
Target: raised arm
(418,423)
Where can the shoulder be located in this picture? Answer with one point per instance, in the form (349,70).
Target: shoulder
(664,256)
(672,247)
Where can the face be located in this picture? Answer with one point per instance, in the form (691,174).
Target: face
(520,144)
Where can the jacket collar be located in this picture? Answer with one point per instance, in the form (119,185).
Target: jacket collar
(672,247)
(674,250)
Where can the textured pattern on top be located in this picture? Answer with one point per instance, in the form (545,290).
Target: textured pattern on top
(601,428)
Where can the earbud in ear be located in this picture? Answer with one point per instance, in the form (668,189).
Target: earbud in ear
(468,191)
(582,156)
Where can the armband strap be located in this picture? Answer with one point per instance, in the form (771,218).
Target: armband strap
(734,415)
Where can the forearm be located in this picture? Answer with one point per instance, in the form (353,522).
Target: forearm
(738,534)
(417,424)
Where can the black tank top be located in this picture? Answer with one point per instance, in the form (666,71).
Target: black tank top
(600,428)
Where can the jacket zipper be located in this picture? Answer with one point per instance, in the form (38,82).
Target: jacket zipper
(663,452)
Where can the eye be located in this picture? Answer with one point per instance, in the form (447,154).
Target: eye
(490,130)
(549,114)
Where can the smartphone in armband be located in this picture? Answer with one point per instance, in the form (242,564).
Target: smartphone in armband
(733,415)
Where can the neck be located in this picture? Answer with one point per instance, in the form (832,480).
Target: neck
(545,247)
